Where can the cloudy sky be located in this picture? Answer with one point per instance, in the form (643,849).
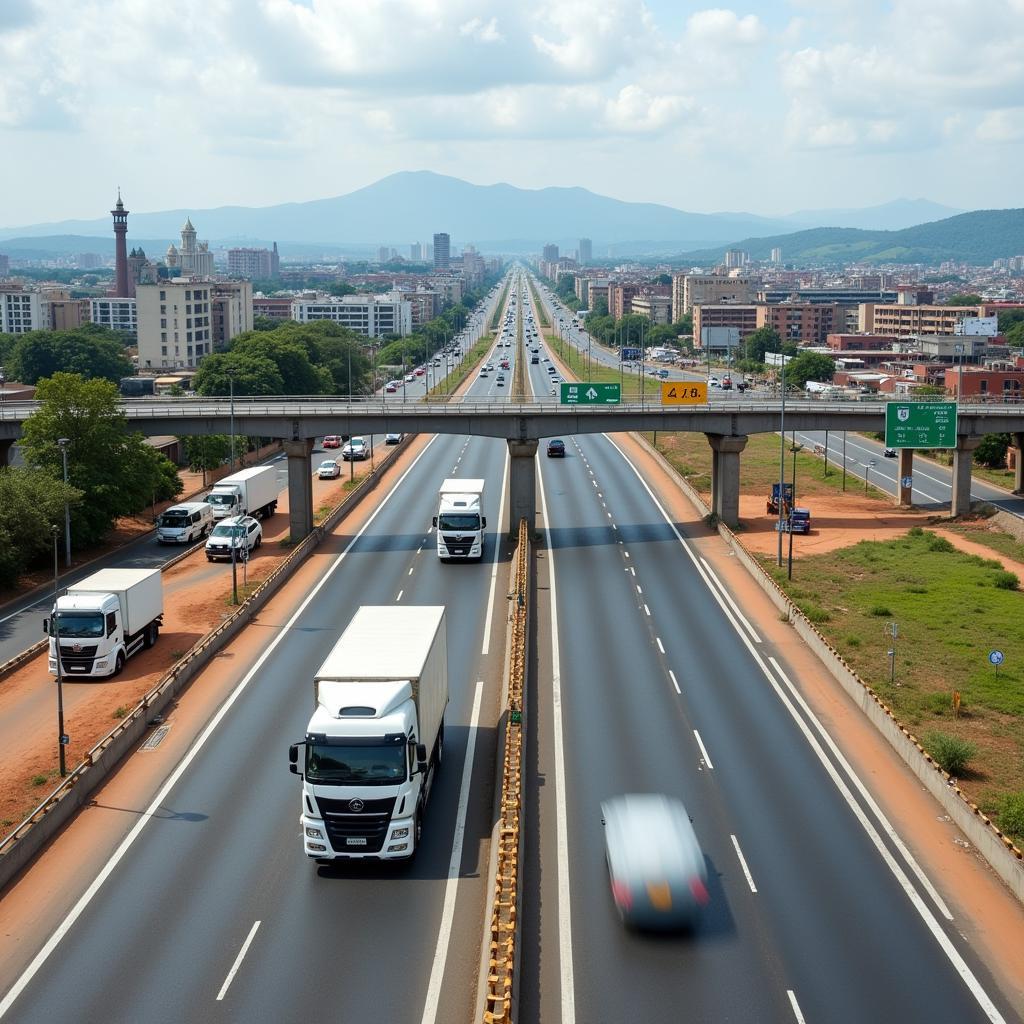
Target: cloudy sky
(768,107)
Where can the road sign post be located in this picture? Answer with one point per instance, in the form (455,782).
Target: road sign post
(585,393)
(920,425)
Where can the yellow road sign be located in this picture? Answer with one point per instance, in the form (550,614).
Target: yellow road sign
(685,392)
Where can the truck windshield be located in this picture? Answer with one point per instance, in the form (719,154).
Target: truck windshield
(221,499)
(80,624)
(458,521)
(355,765)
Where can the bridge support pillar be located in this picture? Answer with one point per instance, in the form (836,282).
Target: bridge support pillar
(1018,463)
(522,484)
(725,476)
(6,446)
(904,495)
(963,460)
(300,488)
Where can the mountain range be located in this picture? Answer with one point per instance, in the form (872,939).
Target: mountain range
(411,205)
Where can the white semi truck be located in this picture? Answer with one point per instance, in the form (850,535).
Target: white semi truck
(376,736)
(249,492)
(105,619)
(460,521)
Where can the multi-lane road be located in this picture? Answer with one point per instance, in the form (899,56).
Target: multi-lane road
(646,677)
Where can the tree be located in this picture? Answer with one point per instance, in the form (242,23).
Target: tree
(254,375)
(663,279)
(991,450)
(764,339)
(1015,335)
(809,366)
(684,325)
(600,307)
(260,322)
(89,350)
(31,503)
(964,300)
(117,472)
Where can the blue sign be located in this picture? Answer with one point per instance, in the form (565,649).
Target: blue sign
(996,657)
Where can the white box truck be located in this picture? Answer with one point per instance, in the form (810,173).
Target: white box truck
(251,492)
(376,736)
(460,521)
(103,620)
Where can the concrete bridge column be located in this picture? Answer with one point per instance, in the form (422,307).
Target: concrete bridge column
(725,476)
(300,488)
(905,469)
(963,460)
(522,484)
(6,445)
(1018,463)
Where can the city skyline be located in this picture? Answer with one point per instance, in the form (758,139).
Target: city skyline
(242,104)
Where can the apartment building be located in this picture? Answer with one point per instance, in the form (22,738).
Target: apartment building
(374,316)
(119,314)
(657,308)
(689,290)
(620,298)
(21,311)
(805,322)
(900,320)
(276,307)
(742,316)
(231,310)
(175,329)
(254,264)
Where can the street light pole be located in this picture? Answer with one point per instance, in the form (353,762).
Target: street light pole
(231,371)
(55,633)
(782,450)
(62,443)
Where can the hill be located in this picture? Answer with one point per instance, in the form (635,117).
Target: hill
(978,237)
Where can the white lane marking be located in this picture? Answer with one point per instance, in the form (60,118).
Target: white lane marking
(118,855)
(631,569)
(732,603)
(647,611)
(411,568)
(952,954)
(238,961)
(400,593)
(661,646)
(419,550)
(568,997)
(796,1006)
(743,864)
(451,888)
(626,553)
(703,750)
(639,589)
(494,564)
(868,798)
(672,676)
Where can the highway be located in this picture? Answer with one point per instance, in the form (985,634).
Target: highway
(657,687)
(221,850)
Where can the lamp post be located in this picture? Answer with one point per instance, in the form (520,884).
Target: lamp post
(232,372)
(55,632)
(794,448)
(959,349)
(782,450)
(62,443)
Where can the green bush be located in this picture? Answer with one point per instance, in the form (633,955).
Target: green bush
(915,531)
(880,610)
(940,544)
(951,753)
(1011,815)
(815,613)
(1006,580)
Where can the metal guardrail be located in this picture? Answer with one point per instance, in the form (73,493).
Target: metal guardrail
(504,915)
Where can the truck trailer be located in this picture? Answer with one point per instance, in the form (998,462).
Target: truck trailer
(460,521)
(249,492)
(376,736)
(105,619)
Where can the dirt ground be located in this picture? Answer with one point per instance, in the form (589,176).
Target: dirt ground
(196,599)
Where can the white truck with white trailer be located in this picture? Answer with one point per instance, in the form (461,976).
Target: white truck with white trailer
(249,492)
(460,521)
(105,619)
(376,736)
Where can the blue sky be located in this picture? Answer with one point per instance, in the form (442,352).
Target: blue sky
(767,107)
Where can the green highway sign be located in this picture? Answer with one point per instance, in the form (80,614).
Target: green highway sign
(582,393)
(920,425)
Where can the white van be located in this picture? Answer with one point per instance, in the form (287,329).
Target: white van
(184,523)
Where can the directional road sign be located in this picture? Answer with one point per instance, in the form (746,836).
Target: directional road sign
(920,425)
(584,393)
(685,392)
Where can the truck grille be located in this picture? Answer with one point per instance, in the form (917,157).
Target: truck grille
(457,545)
(370,823)
(77,662)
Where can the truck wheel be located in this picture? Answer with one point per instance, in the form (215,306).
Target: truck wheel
(152,632)
(440,745)
(417,832)
(119,663)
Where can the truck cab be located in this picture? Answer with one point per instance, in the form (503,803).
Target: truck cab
(459,521)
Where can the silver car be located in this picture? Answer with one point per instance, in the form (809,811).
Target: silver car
(655,864)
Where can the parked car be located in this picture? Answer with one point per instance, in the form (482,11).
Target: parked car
(356,449)
(332,441)
(328,469)
(556,448)
(241,533)
(391,387)
(655,865)
(393,438)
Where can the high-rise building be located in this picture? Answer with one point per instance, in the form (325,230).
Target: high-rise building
(119,314)
(193,258)
(777,254)
(5,265)
(122,283)
(586,252)
(174,323)
(689,290)
(416,252)
(252,264)
(735,258)
(442,251)
(550,253)
(20,311)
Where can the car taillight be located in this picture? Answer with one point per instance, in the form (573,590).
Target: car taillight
(623,897)
(699,891)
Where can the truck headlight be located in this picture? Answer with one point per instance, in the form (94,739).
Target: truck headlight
(314,833)
(399,833)
(102,664)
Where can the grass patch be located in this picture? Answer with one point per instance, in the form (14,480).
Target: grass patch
(599,373)
(999,542)
(120,712)
(951,609)
(38,780)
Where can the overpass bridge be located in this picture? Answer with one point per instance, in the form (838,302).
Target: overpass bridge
(727,424)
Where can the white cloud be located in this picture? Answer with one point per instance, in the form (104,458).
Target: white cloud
(724,28)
